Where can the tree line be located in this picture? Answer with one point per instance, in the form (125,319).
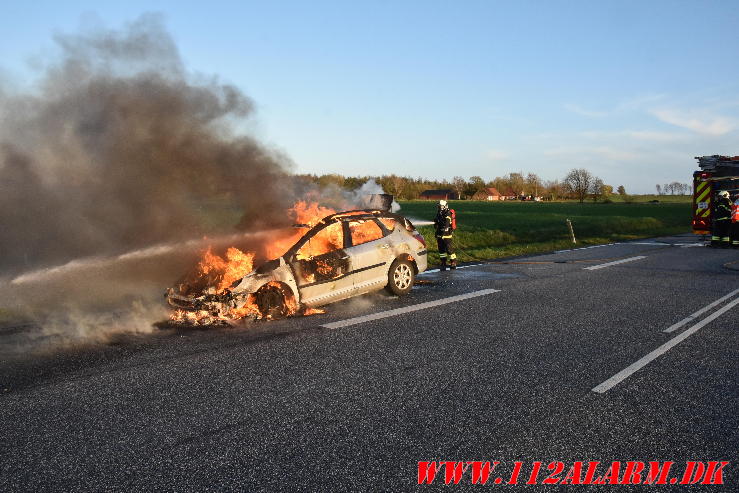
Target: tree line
(579,184)
(674,188)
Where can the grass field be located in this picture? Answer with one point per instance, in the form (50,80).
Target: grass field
(500,229)
(669,199)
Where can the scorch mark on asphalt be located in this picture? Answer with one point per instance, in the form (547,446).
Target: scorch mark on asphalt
(645,360)
(615,262)
(399,311)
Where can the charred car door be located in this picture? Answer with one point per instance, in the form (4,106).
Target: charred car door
(370,253)
(321,266)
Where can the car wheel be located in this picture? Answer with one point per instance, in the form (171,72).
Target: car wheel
(400,277)
(272,302)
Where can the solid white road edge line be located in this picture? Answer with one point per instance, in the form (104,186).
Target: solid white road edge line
(407,309)
(437,270)
(616,262)
(583,248)
(703,310)
(645,360)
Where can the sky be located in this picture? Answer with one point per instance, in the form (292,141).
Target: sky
(630,90)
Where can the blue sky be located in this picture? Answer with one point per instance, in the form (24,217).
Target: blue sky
(630,90)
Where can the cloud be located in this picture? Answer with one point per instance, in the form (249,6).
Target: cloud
(574,108)
(700,122)
(635,103)
(496,155)
(639,135)
(589,153)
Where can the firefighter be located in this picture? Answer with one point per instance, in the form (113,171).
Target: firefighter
(735,222)
(443,226)
(721,220)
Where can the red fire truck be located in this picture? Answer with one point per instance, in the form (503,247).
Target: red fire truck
(716,173)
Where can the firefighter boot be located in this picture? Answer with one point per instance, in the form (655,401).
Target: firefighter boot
(442,267)
(453,264)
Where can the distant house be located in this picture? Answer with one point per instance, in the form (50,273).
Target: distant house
(487,194)
(439,195)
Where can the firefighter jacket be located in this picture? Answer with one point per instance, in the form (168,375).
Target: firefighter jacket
(723,209)
(443,223)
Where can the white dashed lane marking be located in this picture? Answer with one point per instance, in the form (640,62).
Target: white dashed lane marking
(615,262)
(645,360)
(399,311)
(700,312)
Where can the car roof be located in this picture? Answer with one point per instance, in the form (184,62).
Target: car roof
(362,214)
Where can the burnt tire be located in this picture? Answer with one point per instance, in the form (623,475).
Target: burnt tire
(272,303)
(400,277)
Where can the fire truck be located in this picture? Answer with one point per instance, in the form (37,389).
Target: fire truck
(716,173)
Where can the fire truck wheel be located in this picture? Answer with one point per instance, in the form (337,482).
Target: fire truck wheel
(400,277)
(271,302)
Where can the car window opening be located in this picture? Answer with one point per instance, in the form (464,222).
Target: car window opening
(326,240)
(364,231)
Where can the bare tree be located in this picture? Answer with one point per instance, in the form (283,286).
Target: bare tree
(555,189)
(676,188)
(596,189)
(533,183)
(517,183)
(459,184)
(579,182)
(659,189)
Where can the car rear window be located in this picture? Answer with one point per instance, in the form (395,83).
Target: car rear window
(363,231)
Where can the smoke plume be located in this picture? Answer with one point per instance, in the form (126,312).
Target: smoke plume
(111,166)
(118,148)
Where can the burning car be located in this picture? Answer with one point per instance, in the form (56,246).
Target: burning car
(344,254)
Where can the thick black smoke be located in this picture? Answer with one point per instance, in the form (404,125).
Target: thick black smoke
(118,147)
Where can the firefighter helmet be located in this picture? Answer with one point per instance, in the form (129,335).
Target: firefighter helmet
(443,204)
(723,193)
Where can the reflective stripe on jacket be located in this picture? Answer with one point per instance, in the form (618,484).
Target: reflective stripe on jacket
(443,224)
(723,210)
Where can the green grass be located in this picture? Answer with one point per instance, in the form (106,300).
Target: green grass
(488,230)
(670,199)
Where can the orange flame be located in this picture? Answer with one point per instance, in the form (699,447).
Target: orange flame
(215,274)
(303,213)
(223,272)
(309,214)
(364,231)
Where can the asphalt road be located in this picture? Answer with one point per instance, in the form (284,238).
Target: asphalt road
(507,376)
